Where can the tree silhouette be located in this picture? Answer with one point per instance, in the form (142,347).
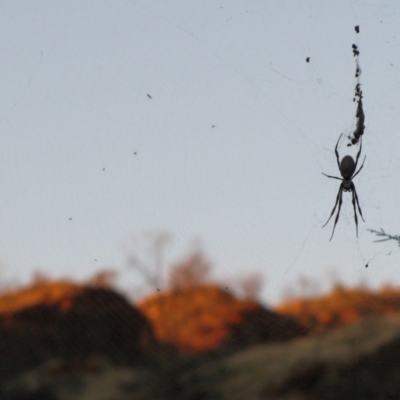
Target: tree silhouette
(148,259)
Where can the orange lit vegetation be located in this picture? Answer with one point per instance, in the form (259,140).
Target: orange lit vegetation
(45,291)
(48,293)
(194,314)
(340,307)
(196,318)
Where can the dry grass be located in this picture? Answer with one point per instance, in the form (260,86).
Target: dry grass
(341,307)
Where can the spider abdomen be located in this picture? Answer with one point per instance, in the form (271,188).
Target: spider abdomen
(347,167)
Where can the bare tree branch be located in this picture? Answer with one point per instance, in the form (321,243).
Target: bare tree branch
(150,266)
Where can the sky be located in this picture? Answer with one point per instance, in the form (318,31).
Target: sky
(202,120)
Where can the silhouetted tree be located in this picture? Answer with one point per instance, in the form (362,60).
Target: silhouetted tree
(148,259)
(192,270)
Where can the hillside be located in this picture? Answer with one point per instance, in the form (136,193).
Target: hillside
(202,318)
(63,321)
(64,341)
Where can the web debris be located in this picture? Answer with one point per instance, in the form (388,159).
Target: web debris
(358,96)
(382,233)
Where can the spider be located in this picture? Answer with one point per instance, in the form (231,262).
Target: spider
(346,167)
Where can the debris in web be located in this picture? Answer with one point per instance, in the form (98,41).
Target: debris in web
(358,96)
(385,235)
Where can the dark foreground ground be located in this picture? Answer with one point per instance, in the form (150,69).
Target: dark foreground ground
(360,361)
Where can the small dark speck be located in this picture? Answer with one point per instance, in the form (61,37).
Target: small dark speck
(366,265)
(95,260)
(308,59)
(213,126)
(226,288)
(70,218)
(158,289)
(149,96)
(391,65)
(135,153)
(104,169)
(357,29)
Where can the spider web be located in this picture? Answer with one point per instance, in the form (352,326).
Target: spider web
(211,121)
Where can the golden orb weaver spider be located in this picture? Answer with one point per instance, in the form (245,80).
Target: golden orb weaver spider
(347,169)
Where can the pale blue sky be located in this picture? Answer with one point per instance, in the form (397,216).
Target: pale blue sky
(74,82)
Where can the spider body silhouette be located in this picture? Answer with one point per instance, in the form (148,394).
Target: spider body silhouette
(347,168)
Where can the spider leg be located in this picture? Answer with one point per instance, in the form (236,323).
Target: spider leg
(337,153)
(359,169)
(354,207)
(334,177)
(338,213)
(358,204)
(358,154)
(336,203)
